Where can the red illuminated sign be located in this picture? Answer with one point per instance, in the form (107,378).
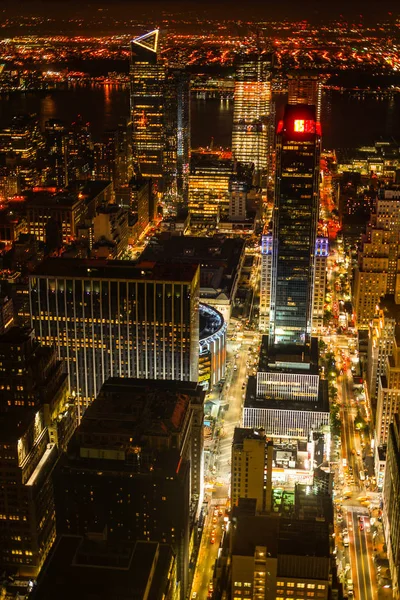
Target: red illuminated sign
(304,126)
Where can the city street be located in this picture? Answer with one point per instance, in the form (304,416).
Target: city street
(207,554)
(241,356)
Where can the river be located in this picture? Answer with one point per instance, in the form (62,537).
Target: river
(347,122)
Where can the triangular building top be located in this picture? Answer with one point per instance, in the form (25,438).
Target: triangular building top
(148,40)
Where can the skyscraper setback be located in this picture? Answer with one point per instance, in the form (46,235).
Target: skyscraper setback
(295,225)
(251,112)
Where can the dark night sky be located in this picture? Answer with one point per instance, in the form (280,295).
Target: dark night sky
(298,9)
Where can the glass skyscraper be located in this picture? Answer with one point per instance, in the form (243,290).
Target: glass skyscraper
(298,146)
(177,133)
(147,76)
(251,110)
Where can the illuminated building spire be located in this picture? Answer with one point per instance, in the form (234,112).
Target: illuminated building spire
(148,40)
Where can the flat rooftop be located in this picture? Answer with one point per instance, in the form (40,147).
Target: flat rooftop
(322,404)
(136,410)
(289,359)
(281,536)
(219,258)
(81,568)
(46,199)
(81,268)
(244,433)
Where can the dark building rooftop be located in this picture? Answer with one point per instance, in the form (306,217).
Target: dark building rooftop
(138,407)
(45,198)
(219,257)
(244,433)
(302,359)
(281,536)
(82,568)
(77,268)
(139,423)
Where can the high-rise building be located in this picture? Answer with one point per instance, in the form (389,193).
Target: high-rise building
(35,418)
(209,184)
(238,199)
(388,398)
(116,318)
(177,134)
(251,109)
(321,262)
(376,273)
(295,226)
(287,398)
(282,557)
(134,466)
(305,87)
(265,281)
(56,152)
(6,311)
(79,151)
(111,230)
(112,159)
(391,504)
(250,467)
(147,76)
(381,341)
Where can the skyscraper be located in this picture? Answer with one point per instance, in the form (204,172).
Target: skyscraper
(377,271)
(147,77)
(294,225)
(251,110)
(305,87)
(265,280)
(321,259)
(35,418)
(115,318)
(177,134)
(134,466)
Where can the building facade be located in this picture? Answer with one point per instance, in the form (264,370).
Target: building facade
(305,88)
(265,281)
(376,273)
(209,185)
(212,346)
(281,422)
(381,341)
(295,225)
(36,421)
(117,319)
(391,506)
(147,78)
(248,467)
(177,134)
(321,261)
(251,109)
